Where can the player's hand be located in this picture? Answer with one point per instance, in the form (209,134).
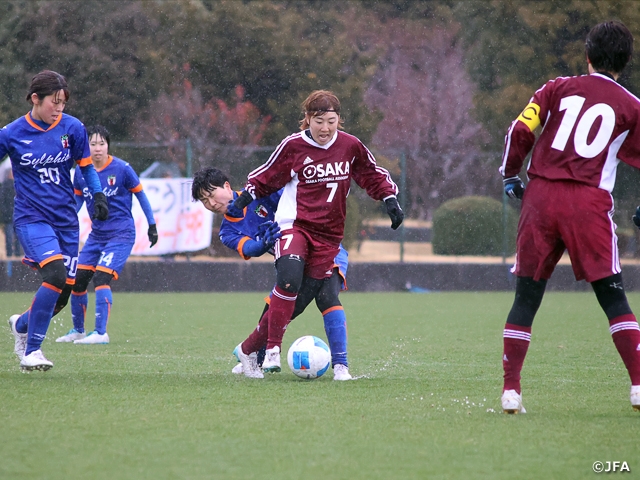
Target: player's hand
(513,187)
(100,207)
(152,233)
(271,234)
(636,217)
(236,207)
(394,211)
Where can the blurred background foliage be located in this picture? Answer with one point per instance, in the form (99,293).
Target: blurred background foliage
(436,81)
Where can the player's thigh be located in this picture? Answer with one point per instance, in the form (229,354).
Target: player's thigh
(589,234)
(539,245)
(42,244)
(321,259)
(114,256)
(292,242)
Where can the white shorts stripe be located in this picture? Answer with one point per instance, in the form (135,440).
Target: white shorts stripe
(618,327)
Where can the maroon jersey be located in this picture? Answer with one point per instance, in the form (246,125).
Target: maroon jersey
(589,123)
(316,180)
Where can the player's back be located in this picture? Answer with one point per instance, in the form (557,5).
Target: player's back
(589,122)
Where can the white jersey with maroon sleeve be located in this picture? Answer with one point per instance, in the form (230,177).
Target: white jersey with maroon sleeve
(590,123)
(316,180)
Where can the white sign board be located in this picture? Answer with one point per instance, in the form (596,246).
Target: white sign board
(183,225)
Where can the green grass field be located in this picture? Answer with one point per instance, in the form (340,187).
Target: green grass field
(160,402)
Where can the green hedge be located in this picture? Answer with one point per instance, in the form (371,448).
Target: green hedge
(473,226)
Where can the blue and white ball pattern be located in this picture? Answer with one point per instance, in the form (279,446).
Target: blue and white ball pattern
(309,357)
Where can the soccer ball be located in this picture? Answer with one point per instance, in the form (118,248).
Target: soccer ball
(309,357)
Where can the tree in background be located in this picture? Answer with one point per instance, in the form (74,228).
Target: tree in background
(107,54)
(423,92)
(213,127)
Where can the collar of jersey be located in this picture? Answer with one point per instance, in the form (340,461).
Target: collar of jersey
(309,139)
(244,211)
(604,75)
(107,163)
(33,123)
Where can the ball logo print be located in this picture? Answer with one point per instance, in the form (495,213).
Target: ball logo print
(309,357)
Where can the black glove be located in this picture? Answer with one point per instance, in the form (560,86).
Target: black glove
(100,207)
(271,234)
(394,211)
(236,207)
(152,233)
(636,217)
(513,187)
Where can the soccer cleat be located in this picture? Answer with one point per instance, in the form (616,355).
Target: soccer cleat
(20,344)
(271,363)
(238,370)
(35,361)
(512,402)
(341,372)
(71,336)
(93,338)
(635,397)
(249,363)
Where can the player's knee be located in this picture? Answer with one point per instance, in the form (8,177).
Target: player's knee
(55,274)
(611,296)
(289,273)
(102,278)
(83,277)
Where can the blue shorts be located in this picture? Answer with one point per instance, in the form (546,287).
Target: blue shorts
(105,255)
(42,244)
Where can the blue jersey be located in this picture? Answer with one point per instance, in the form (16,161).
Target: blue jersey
(42,157)
(235,232)
(119,181)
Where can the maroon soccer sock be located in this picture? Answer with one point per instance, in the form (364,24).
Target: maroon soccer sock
(516,340)
(280,312)
(626,337)
(258,337)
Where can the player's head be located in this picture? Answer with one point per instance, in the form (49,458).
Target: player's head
(212,188)
(100,132)
(99,141)
(609,46)
(321,115)
(48,93)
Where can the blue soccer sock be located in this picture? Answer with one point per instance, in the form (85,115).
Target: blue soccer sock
(104,300)
(79,303)
(335,326)
(23,322)
(40,316)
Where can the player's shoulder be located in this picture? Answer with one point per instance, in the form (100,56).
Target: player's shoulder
(70,121)
(118,162)
(347,137)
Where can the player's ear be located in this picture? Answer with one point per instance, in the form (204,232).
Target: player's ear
(34,99)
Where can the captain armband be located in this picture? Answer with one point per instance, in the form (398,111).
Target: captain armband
(530,116)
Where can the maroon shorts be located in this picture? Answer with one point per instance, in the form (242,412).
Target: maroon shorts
(318,255)
(559,215)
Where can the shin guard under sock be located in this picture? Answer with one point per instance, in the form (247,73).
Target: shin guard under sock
(626,337)
(280,312)
(516,340)
(79,309)
(40,316)
(335,326)
(104,300)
